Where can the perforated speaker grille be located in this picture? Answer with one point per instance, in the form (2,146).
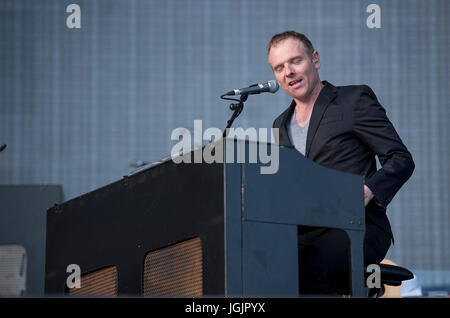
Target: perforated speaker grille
(176,270)
(102,282)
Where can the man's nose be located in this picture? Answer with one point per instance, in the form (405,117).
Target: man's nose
(289,70)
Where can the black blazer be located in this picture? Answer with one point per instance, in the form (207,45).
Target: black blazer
(348,127)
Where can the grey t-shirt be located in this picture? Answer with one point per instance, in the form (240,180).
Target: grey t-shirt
(297,134)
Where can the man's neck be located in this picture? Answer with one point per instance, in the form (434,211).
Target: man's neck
(303,108)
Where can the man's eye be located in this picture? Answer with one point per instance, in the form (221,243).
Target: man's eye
(297,60)
(278,69)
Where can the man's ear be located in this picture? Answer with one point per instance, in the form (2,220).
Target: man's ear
(315,59)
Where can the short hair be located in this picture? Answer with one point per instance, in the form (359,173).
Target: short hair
(277,38)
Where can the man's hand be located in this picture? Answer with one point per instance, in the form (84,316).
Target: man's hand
(368,195)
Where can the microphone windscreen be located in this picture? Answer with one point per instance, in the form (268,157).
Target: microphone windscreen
(273,85)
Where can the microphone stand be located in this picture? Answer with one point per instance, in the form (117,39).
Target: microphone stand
(237,108)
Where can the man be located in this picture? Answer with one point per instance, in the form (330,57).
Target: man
(342,128)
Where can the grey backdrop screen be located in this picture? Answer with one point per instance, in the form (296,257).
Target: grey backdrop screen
(79,106)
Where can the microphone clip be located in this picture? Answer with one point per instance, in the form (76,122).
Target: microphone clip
(236,107)
(242,99)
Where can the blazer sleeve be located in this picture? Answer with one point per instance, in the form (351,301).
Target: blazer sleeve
(373,128)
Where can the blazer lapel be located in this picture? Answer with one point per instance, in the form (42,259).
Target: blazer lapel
(284,136)
(326,96)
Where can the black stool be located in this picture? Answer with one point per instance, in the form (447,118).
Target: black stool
(391,275)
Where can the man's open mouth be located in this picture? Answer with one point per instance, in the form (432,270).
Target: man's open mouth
(295,82)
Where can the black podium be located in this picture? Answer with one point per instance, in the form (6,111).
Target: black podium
(213,229)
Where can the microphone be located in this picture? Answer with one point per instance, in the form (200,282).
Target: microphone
(2,147)
(271,87)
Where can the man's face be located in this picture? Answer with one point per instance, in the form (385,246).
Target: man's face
(294,69)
